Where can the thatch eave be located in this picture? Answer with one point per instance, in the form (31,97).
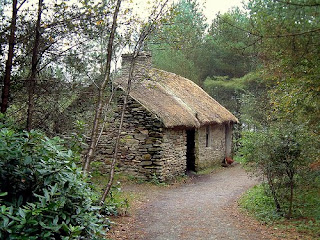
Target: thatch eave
(176,101)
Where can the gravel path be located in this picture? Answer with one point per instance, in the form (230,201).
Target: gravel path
(204,208)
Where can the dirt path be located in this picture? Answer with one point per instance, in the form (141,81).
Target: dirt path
(205,209)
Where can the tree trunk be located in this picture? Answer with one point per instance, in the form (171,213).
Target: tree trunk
(273,192)
(290,173)
(7,76)
(290,199)
(115,152)
(34,64)
(137,49)
(99,108)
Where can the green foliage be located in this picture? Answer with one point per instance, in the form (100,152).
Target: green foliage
(226,91)
(289,52)
(77,140)
(184,46)
(306,218)
(229,49)
(176,44)
(116,204)
(46,195)
(261,205)
(6,121)
(245,97)
(281,155)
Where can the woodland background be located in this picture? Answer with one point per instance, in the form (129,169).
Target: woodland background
(262,62)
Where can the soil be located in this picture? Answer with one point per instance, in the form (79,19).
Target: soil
(202,207)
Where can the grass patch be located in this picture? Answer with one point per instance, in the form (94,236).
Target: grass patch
(306,218)
(257,203)
(118,202)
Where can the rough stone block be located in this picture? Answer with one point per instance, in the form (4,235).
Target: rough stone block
(145,163)
(146,157)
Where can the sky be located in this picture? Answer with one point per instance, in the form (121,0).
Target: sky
(212,7)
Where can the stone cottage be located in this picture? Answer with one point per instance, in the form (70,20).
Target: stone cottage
(171,125)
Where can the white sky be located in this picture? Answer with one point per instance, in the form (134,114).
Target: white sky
(212,7)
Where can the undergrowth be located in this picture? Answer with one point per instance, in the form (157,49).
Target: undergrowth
(118,202)
(306,217)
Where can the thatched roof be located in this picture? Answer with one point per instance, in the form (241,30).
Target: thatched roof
(176,101)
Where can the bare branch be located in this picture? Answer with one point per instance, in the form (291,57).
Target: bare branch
(95,128)
(144,34)
(21,4)
(270,36)
(299,4)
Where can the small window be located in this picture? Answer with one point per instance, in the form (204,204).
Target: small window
(207,136)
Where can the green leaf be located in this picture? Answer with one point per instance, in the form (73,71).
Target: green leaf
(55,220)
(3,209)
(27,160)
(33,222)
(46,195)
(5,221)
(20,200)
(46,235)
(22,213)
(2,194)
(65,228)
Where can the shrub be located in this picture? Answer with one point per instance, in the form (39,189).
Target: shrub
(307,215)
(44,195)
(281,155)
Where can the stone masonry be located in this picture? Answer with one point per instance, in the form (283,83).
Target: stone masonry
(214,153)
(147,149)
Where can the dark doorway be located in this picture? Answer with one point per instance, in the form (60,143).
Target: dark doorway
(190,150)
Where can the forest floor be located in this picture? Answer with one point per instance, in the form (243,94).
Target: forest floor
(200,207)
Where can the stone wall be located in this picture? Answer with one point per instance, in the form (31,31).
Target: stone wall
(214,153)
(147,148)
(141,139)
(174,153)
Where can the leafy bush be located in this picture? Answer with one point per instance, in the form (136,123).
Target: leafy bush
(306,217)
(281,155)
(43,193)
(257,202)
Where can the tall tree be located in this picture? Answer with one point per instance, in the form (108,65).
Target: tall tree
(7,76)
(154,18)
(100,102)
(289,50)
(34,68)
(228,50)
(285,36)
(176,44)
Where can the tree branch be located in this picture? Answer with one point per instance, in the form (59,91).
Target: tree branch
(299,4)
(145,32)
